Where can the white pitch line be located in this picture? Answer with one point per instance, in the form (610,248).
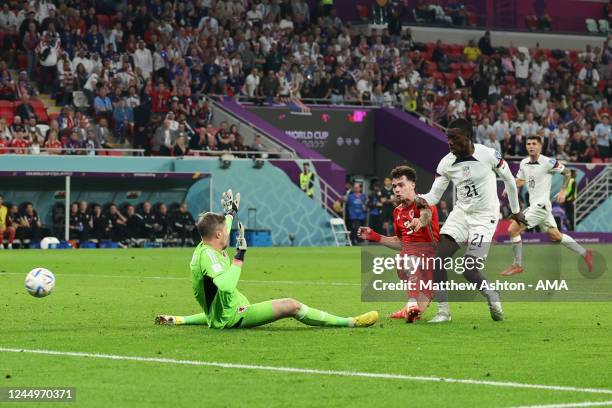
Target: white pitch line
(254,281)
(297,370)
(570,405)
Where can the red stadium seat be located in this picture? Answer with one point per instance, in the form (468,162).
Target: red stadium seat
(22,61)
(597,160)
(450,77)
(430,46)
(103,20)
(472,19)
(531,22)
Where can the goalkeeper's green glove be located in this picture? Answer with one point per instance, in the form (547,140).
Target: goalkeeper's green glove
(241,244)
(230,203)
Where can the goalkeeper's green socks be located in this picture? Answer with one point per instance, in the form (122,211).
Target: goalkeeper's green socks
(196,319)
(314,317)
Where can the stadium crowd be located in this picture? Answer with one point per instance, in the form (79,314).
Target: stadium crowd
(141,72)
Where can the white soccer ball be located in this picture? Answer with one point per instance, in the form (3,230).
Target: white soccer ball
(40,282)
(46,242)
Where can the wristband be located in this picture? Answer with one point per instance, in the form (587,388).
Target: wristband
(240,255)
(374,236)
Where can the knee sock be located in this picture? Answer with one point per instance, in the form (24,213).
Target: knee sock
(571,244)
(517,248)
(196,319)
(474,275)
(314,317)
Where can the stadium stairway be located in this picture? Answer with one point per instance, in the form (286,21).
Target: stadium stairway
(594,204)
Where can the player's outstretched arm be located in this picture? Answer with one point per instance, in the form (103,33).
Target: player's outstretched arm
(227,280)
(511,187)
(368,234)
(435,194)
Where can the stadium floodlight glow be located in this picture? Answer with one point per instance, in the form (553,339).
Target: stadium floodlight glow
(258,163)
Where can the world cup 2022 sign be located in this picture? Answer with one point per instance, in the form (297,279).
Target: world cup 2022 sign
(343,135)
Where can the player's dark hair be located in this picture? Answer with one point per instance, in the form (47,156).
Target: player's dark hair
(464,125)
(534,137)
(208,223)
(407,171)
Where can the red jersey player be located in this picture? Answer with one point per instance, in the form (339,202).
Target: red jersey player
(416,233)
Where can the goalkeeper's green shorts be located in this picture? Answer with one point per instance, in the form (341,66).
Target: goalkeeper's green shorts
(253,315)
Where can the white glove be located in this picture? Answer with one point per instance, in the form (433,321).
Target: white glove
(229,203)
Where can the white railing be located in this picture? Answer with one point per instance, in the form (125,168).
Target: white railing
(255,128)
(595,192)
(70,151)
(329,196)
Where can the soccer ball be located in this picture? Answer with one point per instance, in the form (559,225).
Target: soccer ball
(40,282)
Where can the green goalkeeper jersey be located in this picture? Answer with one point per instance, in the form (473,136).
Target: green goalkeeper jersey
(214,279)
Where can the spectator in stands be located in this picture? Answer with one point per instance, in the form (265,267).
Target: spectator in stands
(521,67)
(456,107)
(602,131)
(25,109)
(471,52)
(6,227)
(19,144)
(164,139)
(5,132)
(539,105)
(338,88)
(258,146)
(491,141)
(502,126)
(102,133)
(123,116)
(589,78)
(356,209)
(74,145)
(103,106)
(577,147)
(183,225)
(484,44)
(180,146)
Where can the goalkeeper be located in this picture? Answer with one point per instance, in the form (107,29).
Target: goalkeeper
(214,278)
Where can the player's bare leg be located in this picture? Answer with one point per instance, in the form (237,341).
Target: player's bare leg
(445,249)
(556,236)
(515,231)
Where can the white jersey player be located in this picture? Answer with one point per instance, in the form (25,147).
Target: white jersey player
(473,169)
(537,172)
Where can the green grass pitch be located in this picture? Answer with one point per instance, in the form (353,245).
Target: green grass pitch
(105,301)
